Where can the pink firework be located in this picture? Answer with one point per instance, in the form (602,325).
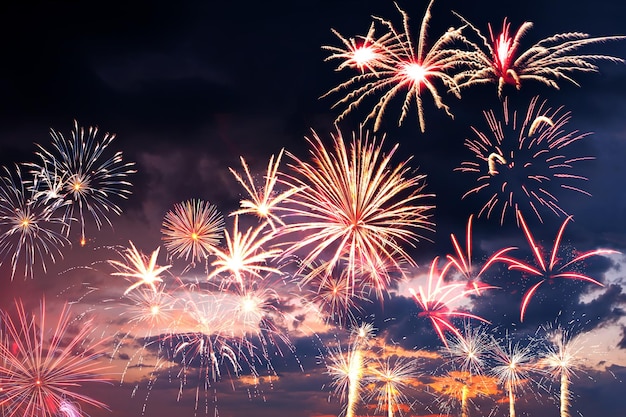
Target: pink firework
(192,229)
(400,66)
(521,163)
(499,59)
(552,267)
(463,260)
(354,210)
(40,369)
(436,301)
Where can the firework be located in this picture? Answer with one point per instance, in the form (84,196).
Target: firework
(554,267)
(332,296)
(560,361)
(499,59)
(30,233)
(192,230)
(469,353)
(137,265)
(361,52)
(263,201)
(435,301)
(347,369)
(401,65)
(521,162)
(355,207)
(244,255)
(68,409)
(39,369)
(513,364)
(391,377)
(463,261)
(89,179)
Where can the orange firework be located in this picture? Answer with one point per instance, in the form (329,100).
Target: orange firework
(192,229)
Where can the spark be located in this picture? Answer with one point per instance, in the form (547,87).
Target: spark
(391,377)
(532,158)
(192,230)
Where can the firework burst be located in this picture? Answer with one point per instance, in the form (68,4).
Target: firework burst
(554,267)
(398,64)
(38,370)
(30,233)
(263,201)
(391,377)
(521,163)
(138,265)
(192,230)
(499,59)
(355,207)
(436,301)
(88,178)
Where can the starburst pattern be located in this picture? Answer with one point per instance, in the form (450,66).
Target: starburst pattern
(355,207)
(500,60)
(30,233)
(264,201)
(89,179)
(138,265)
(40,369)
(521,163)
(192,230)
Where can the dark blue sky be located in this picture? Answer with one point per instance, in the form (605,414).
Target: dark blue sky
(191,87)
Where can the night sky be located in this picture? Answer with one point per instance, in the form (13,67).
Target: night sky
(190,88)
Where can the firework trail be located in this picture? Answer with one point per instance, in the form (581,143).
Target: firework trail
(356,207)
(29,230)
(39,369)
(68,409)
(561,360)
(435,301)
(138,265)
(192,230)
(263,201)
(347,369)
(463,260)
(87,179)
(395,63)
(499,59)
(513,364)
(519,157)
(244,255)
(391,377)
(554,267)
(469,352)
